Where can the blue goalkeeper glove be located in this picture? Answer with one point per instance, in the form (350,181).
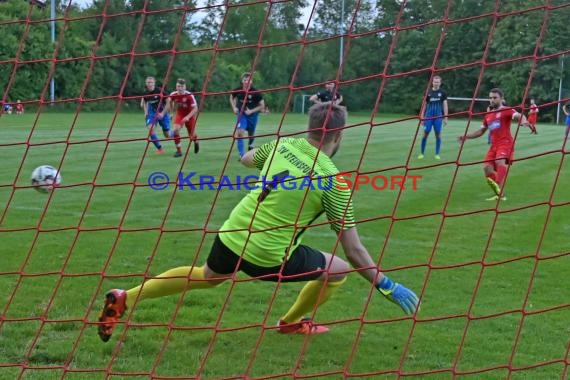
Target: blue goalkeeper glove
(398,294)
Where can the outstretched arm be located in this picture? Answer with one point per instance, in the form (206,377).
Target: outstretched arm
(524,121)
(360,259)
(473,135)
(358,256)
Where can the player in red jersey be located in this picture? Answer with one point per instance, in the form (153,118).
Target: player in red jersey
(19,107)
(532,116)
(501,152)
(186,107)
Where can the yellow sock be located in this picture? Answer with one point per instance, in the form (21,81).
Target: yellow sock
(310,298)
(170,282)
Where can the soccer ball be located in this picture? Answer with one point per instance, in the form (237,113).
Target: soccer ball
(45,178)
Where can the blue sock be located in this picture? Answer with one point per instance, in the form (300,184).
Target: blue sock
(424,142)
(241,147)
(437,145)
(251,135)
(155,140)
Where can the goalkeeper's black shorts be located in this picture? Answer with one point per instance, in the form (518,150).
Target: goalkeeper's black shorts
(304,264)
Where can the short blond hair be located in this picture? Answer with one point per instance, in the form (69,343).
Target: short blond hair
(326,120)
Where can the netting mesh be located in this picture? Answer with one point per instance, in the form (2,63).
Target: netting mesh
(491,275)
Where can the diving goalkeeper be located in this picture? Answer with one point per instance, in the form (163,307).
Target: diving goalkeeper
(262,236)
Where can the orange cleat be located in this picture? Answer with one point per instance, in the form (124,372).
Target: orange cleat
(115,306)
(305,327)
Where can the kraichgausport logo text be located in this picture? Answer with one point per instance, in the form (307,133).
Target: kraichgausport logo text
(285,181)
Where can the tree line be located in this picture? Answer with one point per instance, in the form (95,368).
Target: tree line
(104,51)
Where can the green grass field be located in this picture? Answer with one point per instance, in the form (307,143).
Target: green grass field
(493,279)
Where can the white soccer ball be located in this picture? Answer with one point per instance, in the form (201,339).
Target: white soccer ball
(45,178)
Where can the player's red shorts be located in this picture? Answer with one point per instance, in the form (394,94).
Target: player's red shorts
(500,151)
(190,124)
(532,118)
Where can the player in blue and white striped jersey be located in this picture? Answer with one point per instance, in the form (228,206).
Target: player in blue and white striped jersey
(434,111)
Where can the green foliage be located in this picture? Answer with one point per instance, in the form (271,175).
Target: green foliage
(109,47)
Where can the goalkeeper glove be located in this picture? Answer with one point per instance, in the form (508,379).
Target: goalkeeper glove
(398,294)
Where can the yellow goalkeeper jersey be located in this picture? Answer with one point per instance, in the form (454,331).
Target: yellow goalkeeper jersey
(297,184)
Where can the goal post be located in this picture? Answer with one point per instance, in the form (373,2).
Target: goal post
(301,103)
(462,104)
(464,99)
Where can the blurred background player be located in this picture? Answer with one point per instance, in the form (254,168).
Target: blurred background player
(246,103)
(153,102)
(532,116)
(186,107)
(489,109)
(433,109)
(501,152)
(19,107)
(7,108)
(328,95)
(566,110)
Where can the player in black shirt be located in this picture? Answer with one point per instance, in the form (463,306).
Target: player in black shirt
(434,110)
(153,102)
(328,95)
(246,102)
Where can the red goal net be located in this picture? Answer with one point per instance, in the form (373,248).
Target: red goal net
(490,274)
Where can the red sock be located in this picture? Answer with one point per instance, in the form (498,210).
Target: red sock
(190,130)
(492,176)
(501,173)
